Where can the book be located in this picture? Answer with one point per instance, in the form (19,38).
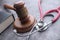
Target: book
(5,20)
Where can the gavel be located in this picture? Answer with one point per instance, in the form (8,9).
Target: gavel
(25,21)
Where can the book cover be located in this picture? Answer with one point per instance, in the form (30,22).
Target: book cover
(5,20)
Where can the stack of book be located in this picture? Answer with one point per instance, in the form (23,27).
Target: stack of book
(5,20)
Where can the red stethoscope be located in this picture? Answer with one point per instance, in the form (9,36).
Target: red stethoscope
(57,10)
(41,23)
(42,26)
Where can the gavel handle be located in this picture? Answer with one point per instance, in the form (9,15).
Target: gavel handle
(9,7)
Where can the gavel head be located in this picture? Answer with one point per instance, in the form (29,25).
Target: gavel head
(21,10)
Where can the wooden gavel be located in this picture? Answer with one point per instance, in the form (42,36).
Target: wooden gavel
(25,21)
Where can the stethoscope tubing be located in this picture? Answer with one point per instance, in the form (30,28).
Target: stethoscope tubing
(48,12)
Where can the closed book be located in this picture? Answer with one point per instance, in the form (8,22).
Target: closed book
(5,20)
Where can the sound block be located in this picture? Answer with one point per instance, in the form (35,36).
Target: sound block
(24,27)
